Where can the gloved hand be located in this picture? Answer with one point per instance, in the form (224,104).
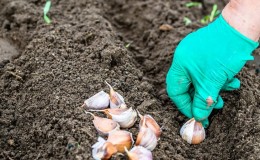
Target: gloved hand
(207,59)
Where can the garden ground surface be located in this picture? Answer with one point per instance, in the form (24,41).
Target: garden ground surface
(55,67)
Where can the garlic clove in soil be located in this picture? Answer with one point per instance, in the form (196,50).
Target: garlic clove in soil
(150,123)
(139,153)
(121,139)
(146,137)
(103,149)
(98,101)
(112,111)
(104,125)
(193,132)
(116,100)
(126,118)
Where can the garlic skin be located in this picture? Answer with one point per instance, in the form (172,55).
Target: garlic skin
(139,153)
(98,101)
(116,100)
(126,118)
(150,123)
(146,137)
(193,132)
(103,149)
(104,125)
(121,139)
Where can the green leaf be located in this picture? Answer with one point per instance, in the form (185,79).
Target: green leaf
(128,45)
(205,19)
(209,18)
(187,21)
(213,12)
(217,13)
(193,4)
(46,10)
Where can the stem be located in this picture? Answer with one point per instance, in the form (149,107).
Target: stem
(213,12)
(126,150)
(139,114)
(83,105)
(143,122)
(90,113)
(109,85)
(93,110)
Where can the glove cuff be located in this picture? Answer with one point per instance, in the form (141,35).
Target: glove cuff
(246,42)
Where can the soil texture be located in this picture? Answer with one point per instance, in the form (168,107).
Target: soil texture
(57,66)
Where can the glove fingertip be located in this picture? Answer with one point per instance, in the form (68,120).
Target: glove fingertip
(205,123)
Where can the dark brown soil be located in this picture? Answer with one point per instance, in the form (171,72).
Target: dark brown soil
(61,64)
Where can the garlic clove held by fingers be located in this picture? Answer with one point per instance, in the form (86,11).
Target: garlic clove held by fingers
(126,118)
(121,139)
(193,132)
(146,137)
(104,125)
(150,123)
(116,100)
(103,149)
(139,153)
(98,101)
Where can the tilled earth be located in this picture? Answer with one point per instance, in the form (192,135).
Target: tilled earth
(90,41)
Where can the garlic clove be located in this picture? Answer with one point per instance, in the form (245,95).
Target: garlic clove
(114,111)
(150,123)
(139,153)
(193,132)
(103,149)
(146,137)
(116,100)
(98,101)
(126,118)
(121,139)
(104,125)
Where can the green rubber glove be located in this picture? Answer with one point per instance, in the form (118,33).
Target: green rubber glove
(204,63)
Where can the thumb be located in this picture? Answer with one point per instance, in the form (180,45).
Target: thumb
(205,123)
(232,84)
(219,104)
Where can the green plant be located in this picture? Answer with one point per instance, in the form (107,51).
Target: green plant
(193,4)
(127,45)
(46,10)
(187,21)
(209,18)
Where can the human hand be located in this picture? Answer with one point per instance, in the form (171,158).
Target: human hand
(204,63)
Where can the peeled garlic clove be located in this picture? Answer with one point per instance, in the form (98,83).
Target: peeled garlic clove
(146,137)
(126,118)
(121,139)
(98,101)
(139,153)
(104,125)
(116,100)
(150,123)
(193,132)
(103,149)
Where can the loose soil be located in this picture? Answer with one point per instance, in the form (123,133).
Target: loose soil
(61,64)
